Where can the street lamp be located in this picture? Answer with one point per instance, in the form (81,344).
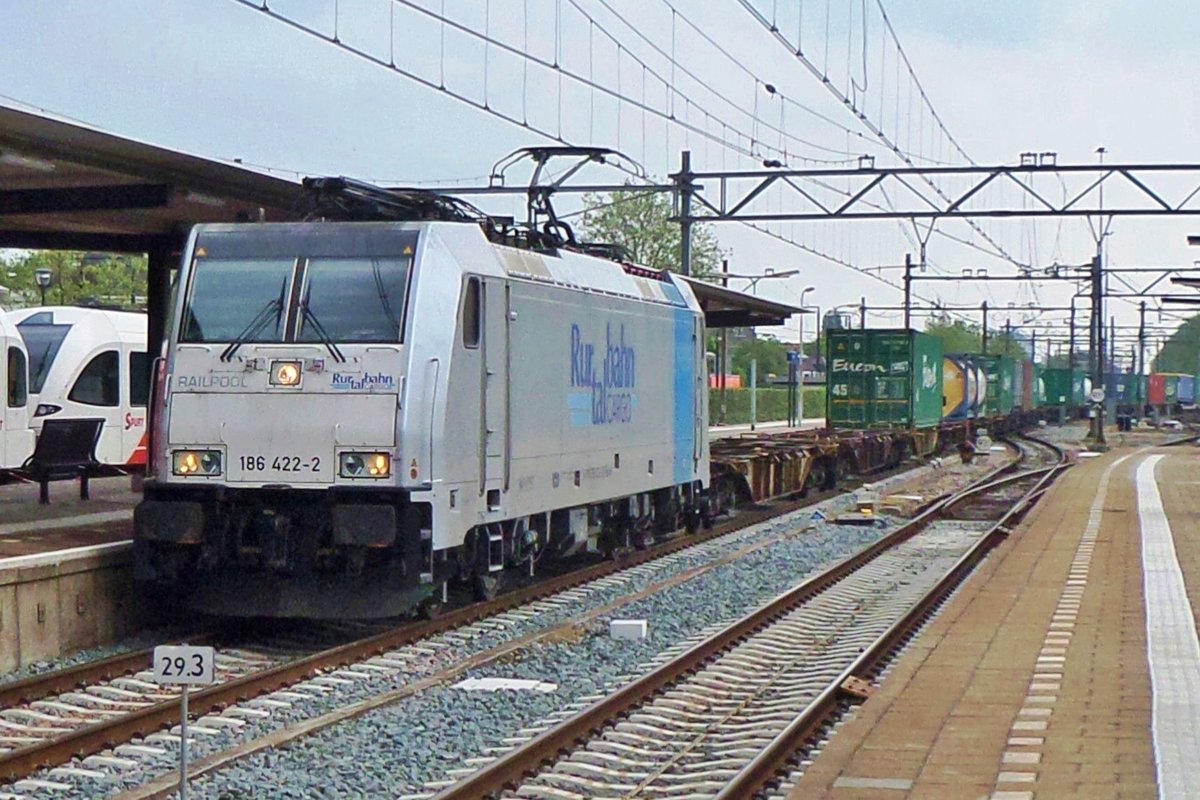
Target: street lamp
(768,272)
(43,278)
(800,365)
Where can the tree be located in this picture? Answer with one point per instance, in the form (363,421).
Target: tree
(641,222)
(75,277)
(966,337)
(1181,353)
(770,353)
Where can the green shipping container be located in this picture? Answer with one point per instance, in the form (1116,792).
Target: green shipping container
(883,379)
(1064,386)
(1039,386)
(1000,383)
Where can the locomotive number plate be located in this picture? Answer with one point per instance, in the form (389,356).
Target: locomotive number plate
(288,468)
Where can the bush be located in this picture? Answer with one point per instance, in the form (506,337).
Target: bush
(772,405)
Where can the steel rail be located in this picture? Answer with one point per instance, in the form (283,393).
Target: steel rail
(38,687)
(22,762)
(764,768)
(513,766)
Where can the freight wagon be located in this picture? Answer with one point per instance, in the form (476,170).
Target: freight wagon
(899,381)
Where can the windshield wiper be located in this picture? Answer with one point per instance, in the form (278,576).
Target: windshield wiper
(322,334)
(257,324)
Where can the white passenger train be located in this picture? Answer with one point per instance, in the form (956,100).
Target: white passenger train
(89,363)
(16,438)
(351,414)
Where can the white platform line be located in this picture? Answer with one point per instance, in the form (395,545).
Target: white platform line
(79,521)
(59,556)
(1172,647)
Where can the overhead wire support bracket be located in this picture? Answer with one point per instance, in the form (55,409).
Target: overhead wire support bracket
(1137,187)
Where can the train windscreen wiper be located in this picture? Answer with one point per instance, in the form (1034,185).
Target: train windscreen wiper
(322,334)
(251,330)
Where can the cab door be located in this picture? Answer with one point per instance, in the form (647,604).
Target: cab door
(495,393)
(133,409)
(16,438)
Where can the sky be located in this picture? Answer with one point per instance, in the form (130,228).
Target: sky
(223,79)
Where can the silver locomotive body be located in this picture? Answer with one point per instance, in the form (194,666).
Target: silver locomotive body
(350,414)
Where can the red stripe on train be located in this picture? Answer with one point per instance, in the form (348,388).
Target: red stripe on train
(138,457)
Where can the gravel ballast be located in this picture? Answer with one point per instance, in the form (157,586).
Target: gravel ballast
(395,750)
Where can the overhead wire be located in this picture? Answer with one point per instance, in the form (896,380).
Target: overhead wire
(676,65)
(861,115)
(563,71)
(723,141)
(263,7)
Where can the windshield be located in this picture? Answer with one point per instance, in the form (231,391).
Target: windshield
(42,341)
(228,296)
(354,299)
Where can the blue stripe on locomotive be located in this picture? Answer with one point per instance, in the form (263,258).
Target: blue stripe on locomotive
(684,414)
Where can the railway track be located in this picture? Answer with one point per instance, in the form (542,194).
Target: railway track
(102,706)
(731,713)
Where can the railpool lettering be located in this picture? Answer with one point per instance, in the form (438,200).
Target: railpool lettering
(211,382)
(348,382)
(608,395)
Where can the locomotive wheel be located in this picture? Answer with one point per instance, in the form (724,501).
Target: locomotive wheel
(430,608)
(485,586)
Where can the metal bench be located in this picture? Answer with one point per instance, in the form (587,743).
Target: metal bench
(65,449)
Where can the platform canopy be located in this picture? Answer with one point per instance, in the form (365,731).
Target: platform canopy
(68,186)
(727,308)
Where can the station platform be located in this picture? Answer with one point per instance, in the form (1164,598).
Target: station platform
(777,426)
(1067,666)
(68,522)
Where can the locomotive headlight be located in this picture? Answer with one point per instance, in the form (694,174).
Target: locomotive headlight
(365,465)
(285,373)
(196,462)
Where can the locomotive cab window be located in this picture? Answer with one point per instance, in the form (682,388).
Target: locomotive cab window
(99,384)
(353,300)
(471,313)
(18,389)
(237,298)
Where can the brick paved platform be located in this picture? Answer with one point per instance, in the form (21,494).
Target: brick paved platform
(1035,680)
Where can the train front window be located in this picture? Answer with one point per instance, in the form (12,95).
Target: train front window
(237,299)
(353,300)
(42,341)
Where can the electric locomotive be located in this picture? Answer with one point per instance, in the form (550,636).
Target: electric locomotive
(352,411)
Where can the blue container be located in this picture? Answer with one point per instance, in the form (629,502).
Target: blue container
(1187,390)
(1119,387)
